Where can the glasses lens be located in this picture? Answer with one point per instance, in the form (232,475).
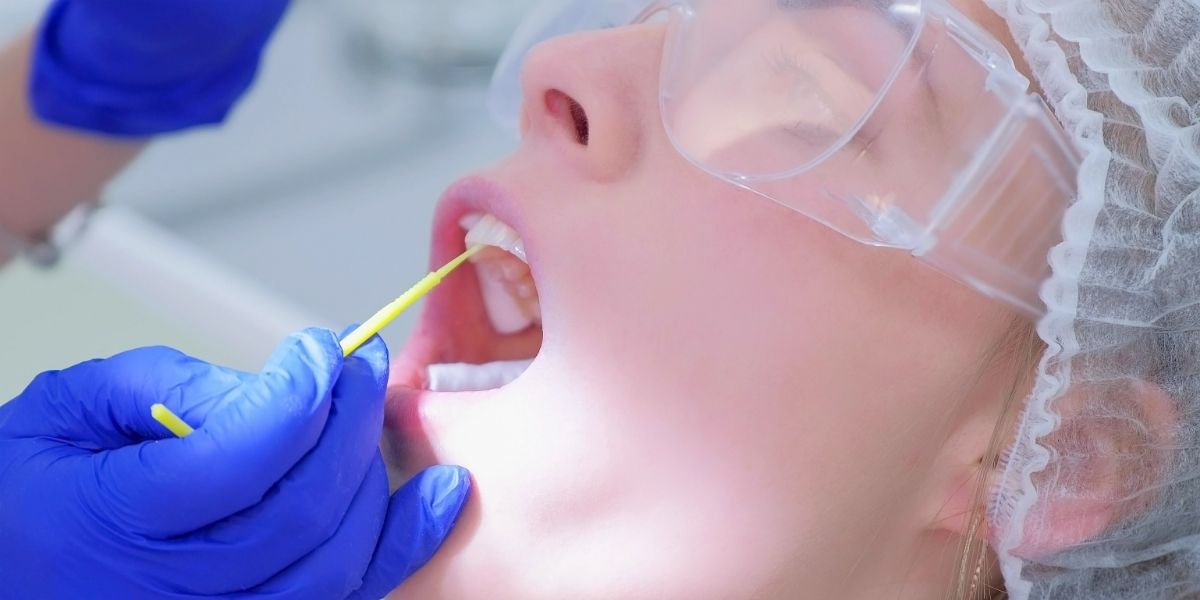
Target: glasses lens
(756,88)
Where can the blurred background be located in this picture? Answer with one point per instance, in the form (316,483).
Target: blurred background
(364,112)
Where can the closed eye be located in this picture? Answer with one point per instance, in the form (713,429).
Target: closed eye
(807,131)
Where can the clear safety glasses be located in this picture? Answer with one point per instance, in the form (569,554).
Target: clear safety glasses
(897,123)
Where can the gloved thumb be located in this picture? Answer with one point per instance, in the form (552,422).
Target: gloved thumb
(242,449)
(420,517)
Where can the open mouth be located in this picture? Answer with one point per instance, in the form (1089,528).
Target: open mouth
(482,327)
(510,301)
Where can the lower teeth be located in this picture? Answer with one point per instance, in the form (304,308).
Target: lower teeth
(462,377)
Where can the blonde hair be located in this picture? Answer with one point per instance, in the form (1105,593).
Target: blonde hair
(974,574)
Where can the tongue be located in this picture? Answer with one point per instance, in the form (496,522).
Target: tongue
(462,377)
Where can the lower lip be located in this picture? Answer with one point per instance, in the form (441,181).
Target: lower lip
(408,436)
(419,420)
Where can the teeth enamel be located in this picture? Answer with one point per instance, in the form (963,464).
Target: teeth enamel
(486,230)
(461,377)
(506,311)
(509,295)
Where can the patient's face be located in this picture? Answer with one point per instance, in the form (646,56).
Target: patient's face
(728,399)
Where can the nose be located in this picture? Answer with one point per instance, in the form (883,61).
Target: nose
(593,96)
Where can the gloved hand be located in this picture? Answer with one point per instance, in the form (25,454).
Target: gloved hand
(280,491)
(142,67)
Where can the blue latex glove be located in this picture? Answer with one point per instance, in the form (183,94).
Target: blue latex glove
(141,67)
(280,491)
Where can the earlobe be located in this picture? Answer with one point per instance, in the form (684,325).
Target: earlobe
(1107,456)
(959,510)
(957,503)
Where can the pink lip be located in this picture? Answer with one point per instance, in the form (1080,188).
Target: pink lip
(409,437)
(473,194)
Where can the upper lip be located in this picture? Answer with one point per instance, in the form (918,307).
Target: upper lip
(474,194)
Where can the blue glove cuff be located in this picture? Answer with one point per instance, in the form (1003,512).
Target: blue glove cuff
(64,96)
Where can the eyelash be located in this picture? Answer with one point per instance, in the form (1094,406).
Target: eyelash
(783,62)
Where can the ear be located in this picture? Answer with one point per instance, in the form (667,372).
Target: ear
(1112,442)
(954,497)
(1108,454)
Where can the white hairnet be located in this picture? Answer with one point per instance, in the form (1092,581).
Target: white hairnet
(1099,496)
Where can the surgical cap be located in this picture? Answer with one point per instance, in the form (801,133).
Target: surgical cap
(1099,495)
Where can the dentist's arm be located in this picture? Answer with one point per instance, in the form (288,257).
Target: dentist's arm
(99,77)
(45,170)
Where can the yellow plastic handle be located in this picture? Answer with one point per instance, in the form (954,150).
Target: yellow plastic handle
(396,307)
(355,339)
(171,421)
(388,313)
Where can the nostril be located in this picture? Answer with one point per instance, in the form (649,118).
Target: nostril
(581,122)
(570,113)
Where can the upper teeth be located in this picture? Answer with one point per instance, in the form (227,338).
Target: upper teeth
(509,296)
(487,230)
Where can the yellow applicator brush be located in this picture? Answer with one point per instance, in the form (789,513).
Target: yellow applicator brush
(356,338)
(394,309)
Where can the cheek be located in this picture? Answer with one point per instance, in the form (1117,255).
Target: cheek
(727,339)
(721,403)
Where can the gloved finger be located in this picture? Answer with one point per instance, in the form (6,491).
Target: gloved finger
(420,517)
(174,486)
(335,568)
(309,503)
(105,404)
